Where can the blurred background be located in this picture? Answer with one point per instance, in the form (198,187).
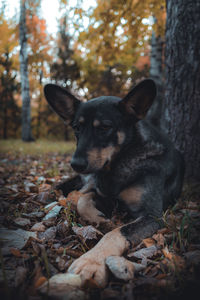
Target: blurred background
(93,48)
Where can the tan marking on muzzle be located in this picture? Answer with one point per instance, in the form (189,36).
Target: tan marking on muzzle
(98,157)
(131,195)
(121,137)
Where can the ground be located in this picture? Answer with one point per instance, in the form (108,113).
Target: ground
(42,234)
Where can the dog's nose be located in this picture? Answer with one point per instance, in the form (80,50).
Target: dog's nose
(79,164)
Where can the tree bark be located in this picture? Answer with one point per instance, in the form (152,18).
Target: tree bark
(26,108)
(182,97)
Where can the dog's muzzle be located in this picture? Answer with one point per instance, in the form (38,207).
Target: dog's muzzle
(79,164)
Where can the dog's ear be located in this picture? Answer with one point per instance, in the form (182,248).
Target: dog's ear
(138,101)
(62,102)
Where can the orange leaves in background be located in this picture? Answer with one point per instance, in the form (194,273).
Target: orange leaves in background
(38,38)
(142,61)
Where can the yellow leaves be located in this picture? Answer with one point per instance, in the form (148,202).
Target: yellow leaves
(117,33)
(38,38)
(8,40)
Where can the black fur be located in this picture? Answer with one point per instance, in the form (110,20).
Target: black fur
(142,156)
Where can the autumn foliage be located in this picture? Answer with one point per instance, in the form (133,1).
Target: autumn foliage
(105,57)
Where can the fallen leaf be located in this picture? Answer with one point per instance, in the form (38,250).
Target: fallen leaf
(13,187)
(52,213)
(15,252)
(166,253)
(148,242)
(48,207)
(38,227)
(144,252)
(45,188)
(159,238)
(87,232)
(70,252)
(63,228)
(22,222)
(49,234)
(14,239)
(62,201)
(30,187)
(43,197)
(41,280)
(34,214)
(74,197)
(175,261)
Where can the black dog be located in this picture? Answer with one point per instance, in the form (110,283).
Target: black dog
(120,156)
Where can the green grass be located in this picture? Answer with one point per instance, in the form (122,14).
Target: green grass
(38,147)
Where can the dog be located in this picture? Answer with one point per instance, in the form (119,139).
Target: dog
(121,157)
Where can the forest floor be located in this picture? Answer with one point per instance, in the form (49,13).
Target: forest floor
(42,234)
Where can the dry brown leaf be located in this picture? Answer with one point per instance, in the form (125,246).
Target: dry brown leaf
(159,238)
(43,197)
(38,227)
(40,281)
(49,207)
(74,197)
(49,234)
(15,252)
(87,232)
(148,242)
(166,253)
(62,201)
(144,252)
(23,222)
(15,239)
(44,187)
(163,230)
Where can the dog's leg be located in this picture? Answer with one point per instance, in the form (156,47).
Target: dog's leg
(115,242)
(87,210)
(69,185)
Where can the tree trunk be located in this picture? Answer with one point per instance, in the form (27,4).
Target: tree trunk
(182,97)
(26,110)
(156,73)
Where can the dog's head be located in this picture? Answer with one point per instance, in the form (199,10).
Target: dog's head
(104,125)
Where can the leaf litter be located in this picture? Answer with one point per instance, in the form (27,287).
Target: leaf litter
(42,234)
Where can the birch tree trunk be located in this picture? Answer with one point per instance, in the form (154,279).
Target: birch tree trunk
(26,108)
(182,97)
(156,73)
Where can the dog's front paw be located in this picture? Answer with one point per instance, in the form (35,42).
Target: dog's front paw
(87,210)
(91,266)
